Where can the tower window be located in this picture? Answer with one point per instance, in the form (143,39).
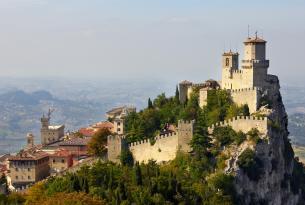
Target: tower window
(227,61)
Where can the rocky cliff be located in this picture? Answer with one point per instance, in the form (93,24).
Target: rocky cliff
(277,175)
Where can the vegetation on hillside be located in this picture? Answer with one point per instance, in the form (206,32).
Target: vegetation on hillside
(162,110)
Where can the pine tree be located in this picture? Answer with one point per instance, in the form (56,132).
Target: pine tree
(150,104)
(201,141)
(177,95)
(245,110)
(138,174)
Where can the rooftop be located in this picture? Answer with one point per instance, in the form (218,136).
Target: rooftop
(254,40)
(185,82)
(230,53)
(75,142)
(61,153)
(55,127)
(101,125)
(28,155)
(87,131)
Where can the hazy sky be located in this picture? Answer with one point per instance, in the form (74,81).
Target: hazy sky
(169,39)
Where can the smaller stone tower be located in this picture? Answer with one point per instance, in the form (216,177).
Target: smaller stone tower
(185,134)
(116,144)
(229,65)
(184,90)
(118,125)
(30,140)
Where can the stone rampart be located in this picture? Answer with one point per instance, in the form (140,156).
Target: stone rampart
(164,148)
(244,124)
(249,96)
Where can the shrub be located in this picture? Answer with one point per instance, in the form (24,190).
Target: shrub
(254,135)
(126,158)
(250,164)
(226,135)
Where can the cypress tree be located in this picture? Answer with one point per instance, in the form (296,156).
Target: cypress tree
(138,174)
(177,94)
(150,104)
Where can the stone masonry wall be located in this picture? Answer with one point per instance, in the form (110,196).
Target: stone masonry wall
(244,124)
(164,149)
(249,96)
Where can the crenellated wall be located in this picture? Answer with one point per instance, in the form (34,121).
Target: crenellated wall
(164,148)
(244,124)
(249,96)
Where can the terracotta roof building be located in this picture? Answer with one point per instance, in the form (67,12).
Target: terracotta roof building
(28,167)
(60,161)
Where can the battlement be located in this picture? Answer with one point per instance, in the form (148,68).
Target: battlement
(116,137)
(146,141)
(243,89)
(237,71)
(199,84)
(187,122)
(244,124)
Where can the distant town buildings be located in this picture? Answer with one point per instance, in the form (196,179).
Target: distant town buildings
(50,133)
(120,112)
(28,167)
(60,161)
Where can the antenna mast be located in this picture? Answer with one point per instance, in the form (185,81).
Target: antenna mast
(248,31)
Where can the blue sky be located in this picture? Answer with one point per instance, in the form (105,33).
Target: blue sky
(169,39)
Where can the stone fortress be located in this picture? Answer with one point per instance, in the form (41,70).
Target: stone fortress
(246,85)
(50,133)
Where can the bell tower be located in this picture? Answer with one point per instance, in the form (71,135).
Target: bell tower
(229,65)
(255,60)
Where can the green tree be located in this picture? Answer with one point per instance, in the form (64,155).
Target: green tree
(150,104)
(200,141)
(177,94)
(97,144)
(245,110)
(126,158)
(137,174)
(250,164)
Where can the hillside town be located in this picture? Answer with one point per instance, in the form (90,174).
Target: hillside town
(248,96)
(59,151)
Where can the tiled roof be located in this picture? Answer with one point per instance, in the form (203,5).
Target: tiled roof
(115,110)
(101,125)
(61,153)
(75,142)
(255,40)
(87,131)
(29,155)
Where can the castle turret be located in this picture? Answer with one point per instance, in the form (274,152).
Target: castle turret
(185,88)
(49,133)
(185,134)
(255,60)
(229,65)
(116,144)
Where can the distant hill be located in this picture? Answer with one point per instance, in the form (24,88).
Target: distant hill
(20,113)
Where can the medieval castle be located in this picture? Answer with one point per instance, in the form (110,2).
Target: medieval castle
(246,85)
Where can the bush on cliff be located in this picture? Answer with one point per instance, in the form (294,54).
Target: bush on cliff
(250,164)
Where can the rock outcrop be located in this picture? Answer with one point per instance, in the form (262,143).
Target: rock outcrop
(275,153)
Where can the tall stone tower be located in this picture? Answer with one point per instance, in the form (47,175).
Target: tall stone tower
(254,69)
(185,88)
(255,59)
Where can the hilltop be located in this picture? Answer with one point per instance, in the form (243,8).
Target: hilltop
(213,142)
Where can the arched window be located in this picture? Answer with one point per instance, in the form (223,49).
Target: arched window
(227,61)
